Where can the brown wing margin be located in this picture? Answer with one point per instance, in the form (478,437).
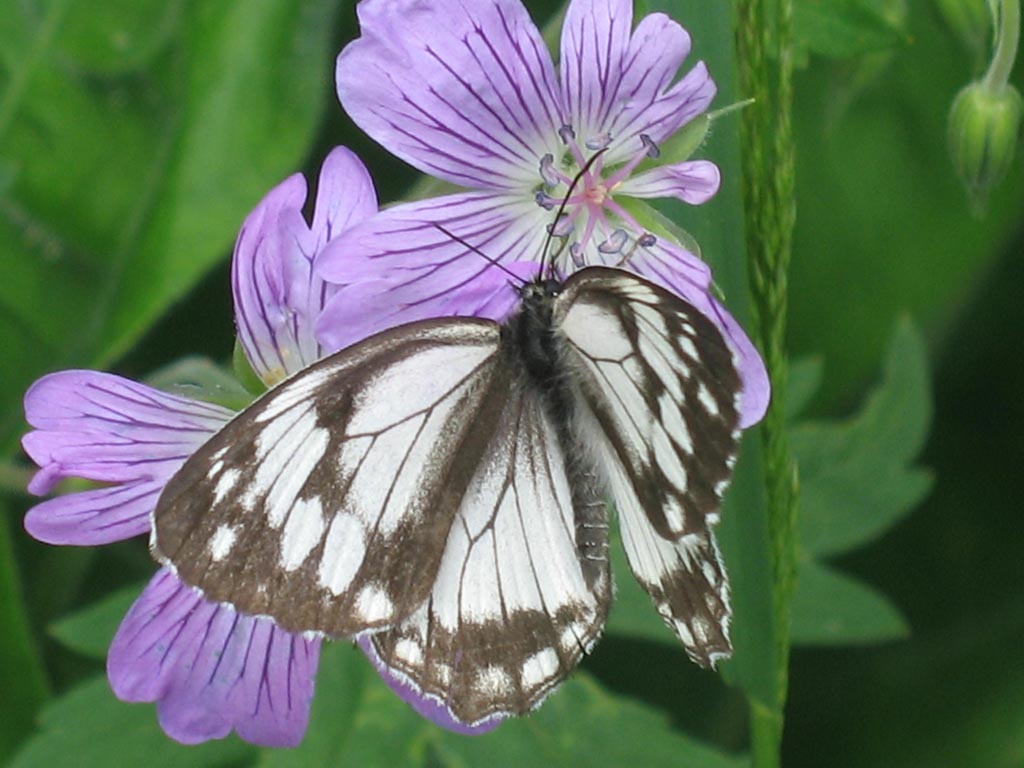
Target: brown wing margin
(229,520)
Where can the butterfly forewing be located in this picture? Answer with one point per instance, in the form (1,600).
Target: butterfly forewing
(327,503)
(658,396)
(513,607)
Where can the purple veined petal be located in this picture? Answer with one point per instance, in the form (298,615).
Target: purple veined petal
(693,182)
(464,91)
(429,272)
(623,85)
(358,311)
(426,706)
(212,670)
(101,427)
(345,196)
(295,294)
(265,322)
(97,516)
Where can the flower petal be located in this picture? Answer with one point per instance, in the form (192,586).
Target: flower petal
(101,427)
(345,197)
(400,267)
(430,708)
(98,516)
(462,91)
(693,182)
(621,84)
(212,670)
(266,323)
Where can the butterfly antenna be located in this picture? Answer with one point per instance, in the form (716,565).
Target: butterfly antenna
(561,207)
(481,254)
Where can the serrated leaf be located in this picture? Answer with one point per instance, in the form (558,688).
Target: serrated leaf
(854,478)
(845,28)
(93,729)
(832,609)
(90,630)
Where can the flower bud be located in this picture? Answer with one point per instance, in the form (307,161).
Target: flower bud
(984,125)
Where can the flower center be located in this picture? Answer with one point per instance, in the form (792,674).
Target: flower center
(591,203)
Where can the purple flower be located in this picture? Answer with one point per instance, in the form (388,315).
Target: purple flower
(209,668)
(468,93)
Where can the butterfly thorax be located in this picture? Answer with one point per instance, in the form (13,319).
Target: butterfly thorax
(532,333)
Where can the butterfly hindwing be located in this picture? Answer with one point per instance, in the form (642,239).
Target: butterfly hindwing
(658,393)
(522,592)
(326,504)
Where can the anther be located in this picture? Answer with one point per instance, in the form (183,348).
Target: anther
(614,243)
(599,142)
(576,254)
(646,240)
(650,146)
(567,134)
(544,200)
(547,170)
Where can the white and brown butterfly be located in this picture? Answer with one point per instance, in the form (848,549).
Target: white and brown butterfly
(441,489)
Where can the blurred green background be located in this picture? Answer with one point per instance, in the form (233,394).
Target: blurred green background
(136,135)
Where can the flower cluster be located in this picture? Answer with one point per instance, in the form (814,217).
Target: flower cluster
(469,94)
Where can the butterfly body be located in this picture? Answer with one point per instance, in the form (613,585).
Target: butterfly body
(440,489)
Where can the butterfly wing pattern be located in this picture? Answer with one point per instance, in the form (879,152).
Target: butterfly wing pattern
(660,397)
(439,488)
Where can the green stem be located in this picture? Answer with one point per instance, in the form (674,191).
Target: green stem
(764,47)
(1008,31)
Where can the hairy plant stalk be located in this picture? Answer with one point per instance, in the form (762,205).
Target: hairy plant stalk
(764,45)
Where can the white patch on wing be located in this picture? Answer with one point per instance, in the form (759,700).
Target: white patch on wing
(373,603)
(494,680)
(222,541)
(416,382)
(671,419)
(225,483)
(302,532)
(540,667)
(409,651)
(595,332)
(706,399)
(343,553)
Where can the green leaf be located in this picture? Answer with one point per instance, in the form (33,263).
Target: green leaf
(845,28)
(89,727)
(357,720)
(126,188)
(832,609)
(118,35)
(90,630)
(854,475)
(24,684)
(804,380)
(200,378)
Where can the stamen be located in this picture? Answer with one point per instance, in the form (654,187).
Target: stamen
(646,240)
(547,171)
(545,201)
(601,141)
(614,243)
(561,228)
(652,149)
(576,254)
(567,134)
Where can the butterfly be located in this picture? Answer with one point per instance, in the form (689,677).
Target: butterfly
(441,489)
